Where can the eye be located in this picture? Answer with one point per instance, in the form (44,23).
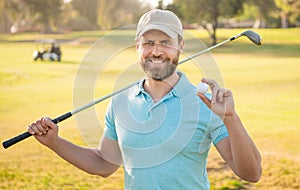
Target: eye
(166,43)
(148,43)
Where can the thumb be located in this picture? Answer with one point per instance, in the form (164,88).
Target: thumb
(206,100)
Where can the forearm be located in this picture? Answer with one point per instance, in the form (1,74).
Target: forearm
(88,160)
(245,156)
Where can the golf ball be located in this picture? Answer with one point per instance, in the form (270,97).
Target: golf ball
(202,87)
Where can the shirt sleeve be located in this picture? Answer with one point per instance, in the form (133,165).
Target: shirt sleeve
(110,129)
(216,129)
(220,134)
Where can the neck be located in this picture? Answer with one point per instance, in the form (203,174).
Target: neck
(158,89)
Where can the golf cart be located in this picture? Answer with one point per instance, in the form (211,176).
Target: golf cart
(47,49)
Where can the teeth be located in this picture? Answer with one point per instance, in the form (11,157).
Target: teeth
(157,61)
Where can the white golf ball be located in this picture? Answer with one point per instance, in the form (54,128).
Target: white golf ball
(202,87)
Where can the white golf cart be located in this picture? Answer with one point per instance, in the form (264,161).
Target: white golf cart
(47,49)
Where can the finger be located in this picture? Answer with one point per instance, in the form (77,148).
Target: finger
(35,130)
(29,130)
(211,83)
(40,127)
(227,93)
(44,123)
(214,94)
(49,123)
(221,94)
(206,101)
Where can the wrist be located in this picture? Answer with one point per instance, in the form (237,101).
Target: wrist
(54,144)
(231,118)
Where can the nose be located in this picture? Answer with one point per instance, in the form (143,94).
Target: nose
(156,50)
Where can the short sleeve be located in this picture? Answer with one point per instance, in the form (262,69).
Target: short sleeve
(219,134)
(216,129)
(110,129)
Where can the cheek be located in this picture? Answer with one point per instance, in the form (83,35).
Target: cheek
(143,53)
(174,54)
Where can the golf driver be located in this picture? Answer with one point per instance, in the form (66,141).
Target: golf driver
(254,37)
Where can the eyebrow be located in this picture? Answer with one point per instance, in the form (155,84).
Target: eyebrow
(166,41)
(161,41)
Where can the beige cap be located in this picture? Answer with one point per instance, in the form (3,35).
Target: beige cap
(162,20)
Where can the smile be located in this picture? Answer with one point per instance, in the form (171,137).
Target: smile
(157,61)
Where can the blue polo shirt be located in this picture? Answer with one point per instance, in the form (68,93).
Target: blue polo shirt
(164,144)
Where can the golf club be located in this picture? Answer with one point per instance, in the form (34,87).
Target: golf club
(254,37)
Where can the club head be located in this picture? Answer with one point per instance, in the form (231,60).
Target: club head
(254,37)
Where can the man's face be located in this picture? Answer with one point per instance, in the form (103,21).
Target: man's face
(158,54)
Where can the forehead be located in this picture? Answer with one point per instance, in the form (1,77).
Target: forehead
(156,35)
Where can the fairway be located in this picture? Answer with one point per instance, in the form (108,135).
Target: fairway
(265,82)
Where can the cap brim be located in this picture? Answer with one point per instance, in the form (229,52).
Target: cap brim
(162,28)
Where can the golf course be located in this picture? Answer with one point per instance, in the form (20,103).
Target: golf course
(265,81)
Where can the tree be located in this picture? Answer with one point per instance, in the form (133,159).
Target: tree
(261,11)
(4,20)
(207,13)
(116,13)
(277,13)
(160,4)
(45,12)
(289,11)
(11,12)
(87,10)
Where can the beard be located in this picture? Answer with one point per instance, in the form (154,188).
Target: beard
(160,71)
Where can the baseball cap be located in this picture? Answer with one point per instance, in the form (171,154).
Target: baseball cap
(162,20)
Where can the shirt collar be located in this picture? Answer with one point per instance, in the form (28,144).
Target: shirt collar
(139,88)
(178,90)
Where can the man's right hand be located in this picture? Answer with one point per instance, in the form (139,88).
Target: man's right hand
(44,130)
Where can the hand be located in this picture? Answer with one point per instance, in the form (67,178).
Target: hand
(221,103)
(44,130)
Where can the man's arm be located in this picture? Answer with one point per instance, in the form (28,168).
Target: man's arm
(102,161)
(238,150)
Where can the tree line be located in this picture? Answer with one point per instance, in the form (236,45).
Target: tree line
(213,14)
(61,15)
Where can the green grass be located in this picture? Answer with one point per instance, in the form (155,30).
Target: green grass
(265,81)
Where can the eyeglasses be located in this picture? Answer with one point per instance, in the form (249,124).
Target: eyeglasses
(166,44)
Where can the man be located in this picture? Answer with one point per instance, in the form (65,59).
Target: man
(161,129)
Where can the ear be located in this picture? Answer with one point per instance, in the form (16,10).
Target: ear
(137,45)
(181,45)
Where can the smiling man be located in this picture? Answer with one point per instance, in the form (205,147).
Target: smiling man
(161,129)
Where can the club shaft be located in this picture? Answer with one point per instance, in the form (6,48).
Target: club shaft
(101,99)
(25,135)
(203,51)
